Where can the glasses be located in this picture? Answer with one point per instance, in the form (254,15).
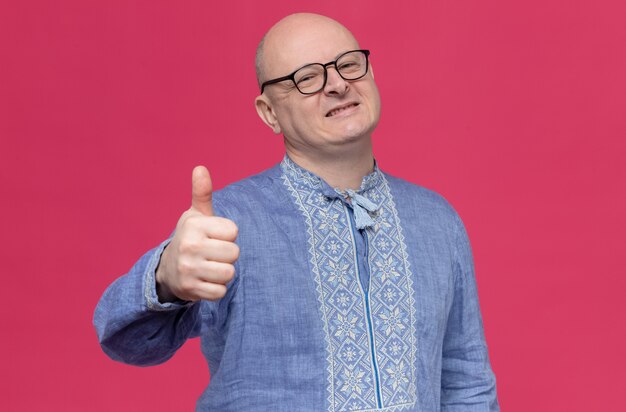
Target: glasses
(312,78)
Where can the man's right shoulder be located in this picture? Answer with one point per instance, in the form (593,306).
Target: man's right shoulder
(247,193)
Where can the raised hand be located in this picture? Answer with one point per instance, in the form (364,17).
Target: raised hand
(198,262)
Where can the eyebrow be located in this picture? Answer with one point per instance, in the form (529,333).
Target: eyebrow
(344,52)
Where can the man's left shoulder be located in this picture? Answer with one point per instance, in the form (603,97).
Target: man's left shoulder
(420,200)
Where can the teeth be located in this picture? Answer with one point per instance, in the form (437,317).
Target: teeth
(341,109)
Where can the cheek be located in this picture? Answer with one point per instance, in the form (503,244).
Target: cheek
(375,98)
(296,122)
(284,115)
(303,115)
(377,109)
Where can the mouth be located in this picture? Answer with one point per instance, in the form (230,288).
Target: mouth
(340,109)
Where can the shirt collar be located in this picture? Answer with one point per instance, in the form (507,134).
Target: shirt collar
(301,175)
(361,200)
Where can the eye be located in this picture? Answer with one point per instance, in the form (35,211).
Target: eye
(309,74)
(347,65)
(306,78)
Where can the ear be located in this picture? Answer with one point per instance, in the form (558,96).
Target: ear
(372,70)
(265,110)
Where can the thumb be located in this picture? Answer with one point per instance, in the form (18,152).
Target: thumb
(202,191)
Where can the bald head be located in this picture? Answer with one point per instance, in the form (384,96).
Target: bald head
(339,117)
(292,34)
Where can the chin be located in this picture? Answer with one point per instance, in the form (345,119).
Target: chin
(355,131)
(351,136)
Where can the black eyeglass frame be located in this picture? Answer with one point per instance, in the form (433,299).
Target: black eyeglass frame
(292,76)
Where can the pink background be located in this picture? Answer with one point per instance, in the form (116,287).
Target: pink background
(514,112)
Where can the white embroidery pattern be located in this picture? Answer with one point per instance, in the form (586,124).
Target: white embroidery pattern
(352,377)
(394,318)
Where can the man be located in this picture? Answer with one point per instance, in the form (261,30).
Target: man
(324,284)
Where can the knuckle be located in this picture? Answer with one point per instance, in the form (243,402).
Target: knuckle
(235,251)
(187,217)
(184,267)
(183,247)
(219,291)
(226,228)
(229,273)
(191,219)
(234,229)
(186,286)
(187,247)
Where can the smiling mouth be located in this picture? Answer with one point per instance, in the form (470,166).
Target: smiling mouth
(341,109)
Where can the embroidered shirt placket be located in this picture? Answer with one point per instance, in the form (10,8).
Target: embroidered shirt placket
(375,254)
(366,300)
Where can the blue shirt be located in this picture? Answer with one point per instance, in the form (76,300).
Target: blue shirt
(342,301)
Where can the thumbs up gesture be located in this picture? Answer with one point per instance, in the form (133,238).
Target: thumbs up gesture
(198,262)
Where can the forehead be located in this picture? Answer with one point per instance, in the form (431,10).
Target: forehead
(295,44)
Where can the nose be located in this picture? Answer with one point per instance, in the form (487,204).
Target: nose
(335,84)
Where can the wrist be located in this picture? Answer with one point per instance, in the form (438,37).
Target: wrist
(164,293)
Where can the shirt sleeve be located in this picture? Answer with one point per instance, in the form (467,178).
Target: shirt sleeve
(133,326)
(467,380)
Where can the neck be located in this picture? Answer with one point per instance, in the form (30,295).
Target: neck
(344,170)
